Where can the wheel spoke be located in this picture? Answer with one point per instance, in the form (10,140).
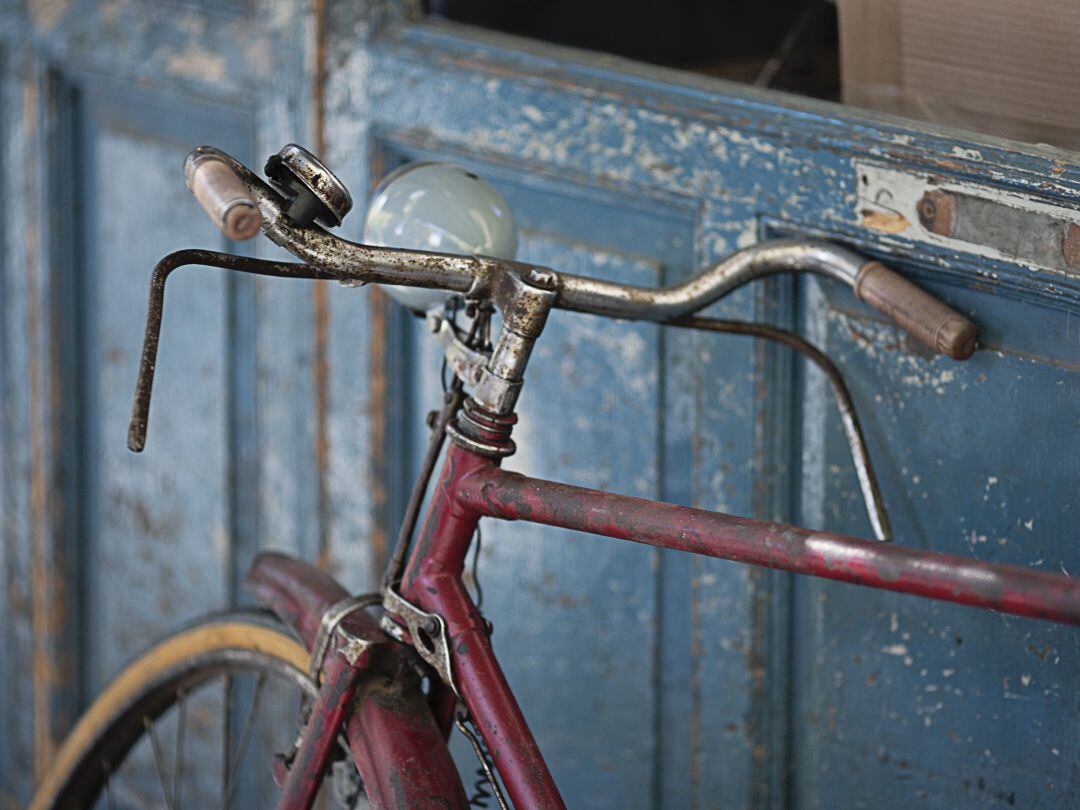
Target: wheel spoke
(159,761)
(108,785)
(245,737)
(114,771)
(226,735)
(178,756)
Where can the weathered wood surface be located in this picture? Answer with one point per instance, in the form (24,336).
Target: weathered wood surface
(291,419)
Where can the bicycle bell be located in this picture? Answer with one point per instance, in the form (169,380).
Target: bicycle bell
(438,207)
(313,191)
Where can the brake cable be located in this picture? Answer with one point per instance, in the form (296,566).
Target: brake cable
(860,455)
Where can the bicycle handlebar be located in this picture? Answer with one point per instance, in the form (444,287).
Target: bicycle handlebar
(927,319)
(941,328)
(223,195)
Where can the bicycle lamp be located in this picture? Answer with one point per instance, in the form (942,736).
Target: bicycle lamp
(438,207)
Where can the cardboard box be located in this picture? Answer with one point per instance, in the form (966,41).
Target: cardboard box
(1003,67)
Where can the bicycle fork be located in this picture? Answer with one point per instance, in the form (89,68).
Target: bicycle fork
(367,688)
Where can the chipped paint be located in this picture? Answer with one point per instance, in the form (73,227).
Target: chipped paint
(111,10)
(534,114)
(46,14)
(195,62)
(966,153)
(883,221)
(887,202)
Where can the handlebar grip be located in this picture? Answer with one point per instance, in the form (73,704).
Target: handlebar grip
(223,196)
(938,326)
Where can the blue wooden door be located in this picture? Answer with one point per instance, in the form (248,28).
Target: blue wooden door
(290,416)
(103,550)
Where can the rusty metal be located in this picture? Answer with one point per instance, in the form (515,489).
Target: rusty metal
(937,212)
(524,299)
(398,748)
(435,604)
(1008,225)
(349,261)
(524,295)
(466,726)
(907,304)
(423,630)
(395,742)
(524,303)
(394,737)
(330,623)
(492,492)
(543,278)
(860,455)
(467,363)
(482,431)
(1070,244)
(451,405)
(300,595)
(667,303)
(317,195)
(319,737)
(433,582)
(140,410)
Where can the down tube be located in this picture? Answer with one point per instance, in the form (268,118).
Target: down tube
(1008,588)
(433,582)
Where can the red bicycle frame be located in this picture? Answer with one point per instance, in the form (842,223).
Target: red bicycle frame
(400,755)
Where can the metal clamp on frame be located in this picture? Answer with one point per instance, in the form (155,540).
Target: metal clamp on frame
(331,623)
(427,633)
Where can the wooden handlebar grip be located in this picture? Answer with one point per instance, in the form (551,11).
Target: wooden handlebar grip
(938,326)
(223,196)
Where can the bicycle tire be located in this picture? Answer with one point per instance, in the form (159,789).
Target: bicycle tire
(227,643)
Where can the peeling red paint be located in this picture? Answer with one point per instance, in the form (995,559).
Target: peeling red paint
(1011,589)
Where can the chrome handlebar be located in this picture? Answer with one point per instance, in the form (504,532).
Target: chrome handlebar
(939,327)
(695,293)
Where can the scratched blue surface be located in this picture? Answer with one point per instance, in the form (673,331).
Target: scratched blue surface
(653,680)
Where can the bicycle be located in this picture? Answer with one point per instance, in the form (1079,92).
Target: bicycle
(379,696)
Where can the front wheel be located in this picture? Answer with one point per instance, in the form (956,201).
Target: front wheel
(196,720)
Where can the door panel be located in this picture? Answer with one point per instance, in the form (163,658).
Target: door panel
(141,508)
(954,704)
(105,551)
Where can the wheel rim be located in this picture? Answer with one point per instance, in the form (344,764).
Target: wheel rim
(211,704)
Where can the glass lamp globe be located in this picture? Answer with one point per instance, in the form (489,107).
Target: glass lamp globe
(439,207)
